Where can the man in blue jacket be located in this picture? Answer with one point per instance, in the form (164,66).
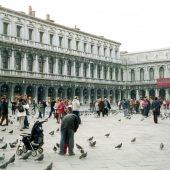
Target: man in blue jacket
(156,109)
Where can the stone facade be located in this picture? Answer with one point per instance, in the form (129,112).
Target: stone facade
(46,60)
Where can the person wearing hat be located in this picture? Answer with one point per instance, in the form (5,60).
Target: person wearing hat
(4,110)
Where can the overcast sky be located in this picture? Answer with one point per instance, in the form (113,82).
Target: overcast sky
(138,24)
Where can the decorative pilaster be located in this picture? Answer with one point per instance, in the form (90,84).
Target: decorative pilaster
(56,66)
(24,65)
(73,68)
(35,64)
(46,65)
(11,62)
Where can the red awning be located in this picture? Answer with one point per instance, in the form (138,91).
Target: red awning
(163,82)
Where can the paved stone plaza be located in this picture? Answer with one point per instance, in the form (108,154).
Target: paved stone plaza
(144,154)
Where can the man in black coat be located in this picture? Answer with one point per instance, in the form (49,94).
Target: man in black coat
(69,126)
(4,110)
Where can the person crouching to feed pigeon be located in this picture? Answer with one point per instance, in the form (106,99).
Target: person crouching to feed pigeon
(69,126)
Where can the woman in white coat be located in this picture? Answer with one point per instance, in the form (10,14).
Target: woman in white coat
(22,113)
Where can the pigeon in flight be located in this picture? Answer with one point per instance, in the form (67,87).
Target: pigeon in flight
(4,147)
(90,139)
(11,132)
(49,167)
(134,139)
(40,158)
(161,146)
(26,156)
(107,135)
(83,155)
(52,133)
(2,157)
(12,159)
(119,146)
(78,146)
(92,144)
(2,139)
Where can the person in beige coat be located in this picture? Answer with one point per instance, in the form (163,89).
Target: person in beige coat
(21,115)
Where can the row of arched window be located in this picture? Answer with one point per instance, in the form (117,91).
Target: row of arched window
(151,74)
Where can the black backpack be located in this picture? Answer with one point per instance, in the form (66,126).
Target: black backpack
(20,107)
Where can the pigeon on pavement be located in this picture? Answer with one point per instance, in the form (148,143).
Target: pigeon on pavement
(12,145)
(54,148)
(4,165)
(4,129)
(26,156)
(12,159)
(119,146)
(90,139)
(11,132)
(4,147)
(2,157)
(2,139)
(52,133)
(134,139)
(82,151)
(78,146)
(161,146)
(40,158)
(49,167)
(15,142)
(58,145)
(83,155)
(92,144)
(107,135)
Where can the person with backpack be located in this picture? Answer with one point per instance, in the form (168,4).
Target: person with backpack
(21,108)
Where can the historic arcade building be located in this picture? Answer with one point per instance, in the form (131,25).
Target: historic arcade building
(45,60)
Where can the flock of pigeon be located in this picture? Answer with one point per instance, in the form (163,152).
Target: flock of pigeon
(92,143)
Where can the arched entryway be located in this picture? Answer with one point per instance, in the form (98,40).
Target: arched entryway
(40,93)
(85,96)
(77,92)
(99,93)
(51,94)
(162,94)
(142,93)
(17,91)
(69,93)
(152,94)
(5,90)
(92,93)
(133,94)
(61,93)
(105,93)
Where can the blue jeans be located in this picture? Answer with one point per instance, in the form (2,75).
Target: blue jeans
(67,135)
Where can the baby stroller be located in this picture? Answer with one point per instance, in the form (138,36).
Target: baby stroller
(33,141)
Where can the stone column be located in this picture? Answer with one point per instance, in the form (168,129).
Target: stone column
(95,71)
(65,67)
(12,92)
(35,64)
(0,59)
(81,70)
(89,95)
(156,92)
(56,66)
(46,69)
(35,95)
(102,72)
(12,61)
(137,94)
(73,69)
(147,92)
(24,65)
(167,94)
(56,92)
(46,93)
(114,73)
